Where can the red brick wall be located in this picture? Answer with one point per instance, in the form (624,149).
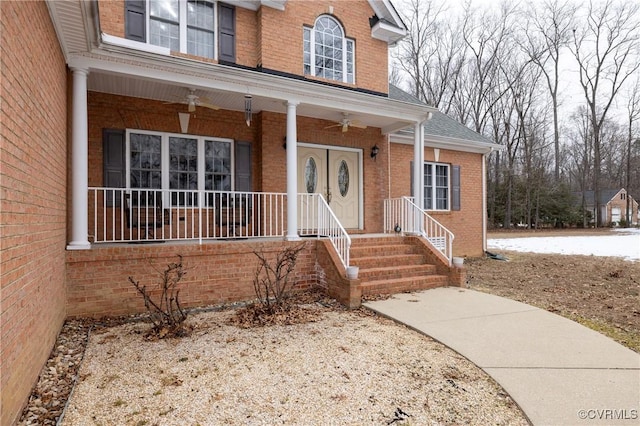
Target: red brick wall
(217,272)
(281,35)
(247,34)
(111,17)
(465,224)
(33,193)
(273,38)
(121,112)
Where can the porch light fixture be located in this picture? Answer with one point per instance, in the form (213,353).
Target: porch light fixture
(184,121)
(247,110)
(374,152)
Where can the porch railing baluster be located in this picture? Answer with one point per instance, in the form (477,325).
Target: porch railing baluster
(403,212)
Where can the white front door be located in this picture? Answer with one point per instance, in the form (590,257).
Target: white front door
(344,177)
(334,173)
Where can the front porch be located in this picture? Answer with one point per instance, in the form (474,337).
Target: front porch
(138,232)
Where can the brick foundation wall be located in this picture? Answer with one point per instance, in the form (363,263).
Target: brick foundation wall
(33,212)
(333,277)
(217,272)
(465,224)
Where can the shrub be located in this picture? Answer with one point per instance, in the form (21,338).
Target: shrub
(271,282)
(166,314)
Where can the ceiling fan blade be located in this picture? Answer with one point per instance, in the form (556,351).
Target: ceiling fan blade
(333,125)
(208,105)
(357,124)
(345,127)
(191,107)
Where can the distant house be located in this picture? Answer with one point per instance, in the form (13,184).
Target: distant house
(613,206)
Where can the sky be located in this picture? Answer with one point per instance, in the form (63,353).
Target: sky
(625,243)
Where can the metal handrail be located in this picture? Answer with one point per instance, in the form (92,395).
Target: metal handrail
(403,215)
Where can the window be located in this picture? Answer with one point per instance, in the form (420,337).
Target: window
(179,162)
(327,52)
(436,186)
(187,26)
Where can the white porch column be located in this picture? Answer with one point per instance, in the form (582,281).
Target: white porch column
(418,178)
(292,173)
(79,163)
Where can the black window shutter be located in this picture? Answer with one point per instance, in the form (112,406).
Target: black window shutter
(227,32)
(455,187)
(243,166)
(113,153)
(135,22)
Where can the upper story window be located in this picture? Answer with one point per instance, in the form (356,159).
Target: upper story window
(327,52)
(187,26)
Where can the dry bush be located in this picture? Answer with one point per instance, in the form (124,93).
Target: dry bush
(166,314)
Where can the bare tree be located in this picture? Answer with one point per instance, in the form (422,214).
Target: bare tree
(580,134)
(606,52)
(485,36)
(633,108)
(547,31)
(417,49)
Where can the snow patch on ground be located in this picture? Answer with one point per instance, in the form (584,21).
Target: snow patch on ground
(625,245)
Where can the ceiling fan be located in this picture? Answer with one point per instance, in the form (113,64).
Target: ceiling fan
(345,123)
(192,100)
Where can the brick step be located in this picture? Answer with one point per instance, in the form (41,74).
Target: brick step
(397,271)
(378,241)
(403,285)
(383,250)
(368,262)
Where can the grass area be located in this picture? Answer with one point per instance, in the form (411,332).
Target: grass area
(628,338)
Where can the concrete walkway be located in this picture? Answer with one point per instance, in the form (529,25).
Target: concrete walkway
(559,372)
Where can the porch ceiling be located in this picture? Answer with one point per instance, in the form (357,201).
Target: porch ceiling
(124,85)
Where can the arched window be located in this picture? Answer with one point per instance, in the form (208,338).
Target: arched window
(327,52)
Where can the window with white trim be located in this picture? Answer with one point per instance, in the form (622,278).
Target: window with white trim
(179,162)
(203,28)
(183,26)
(436,186)
(328,53)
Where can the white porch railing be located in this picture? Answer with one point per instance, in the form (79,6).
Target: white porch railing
(315,217)
(148,215)
(144,215)
(403,215)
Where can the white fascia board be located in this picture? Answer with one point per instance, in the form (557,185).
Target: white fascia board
(136,45)
(188,72)
(452,144)
(387,32)
(255,4)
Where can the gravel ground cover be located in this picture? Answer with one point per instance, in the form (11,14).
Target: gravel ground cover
(339,368)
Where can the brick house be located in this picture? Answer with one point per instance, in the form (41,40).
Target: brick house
(133,131)
(613,206)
